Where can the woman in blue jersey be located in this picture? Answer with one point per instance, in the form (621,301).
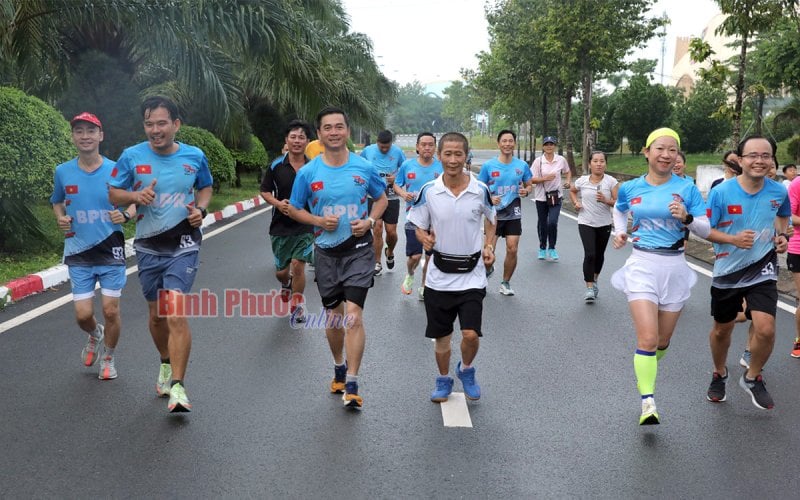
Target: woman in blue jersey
(656,278)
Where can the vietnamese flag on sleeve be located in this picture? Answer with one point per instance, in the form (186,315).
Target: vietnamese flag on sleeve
(144,169)
(73,189)
(735,209)
(316,186)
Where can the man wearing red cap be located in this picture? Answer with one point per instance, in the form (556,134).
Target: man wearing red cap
(94,243)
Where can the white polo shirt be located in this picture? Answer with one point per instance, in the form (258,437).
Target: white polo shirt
(541,167)
(457,223)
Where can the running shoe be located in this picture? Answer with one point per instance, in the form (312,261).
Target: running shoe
(542,254)
(553,254)
(91,351)
(351,399)
(796,348)
(298,315)
(389,259)
(164,378)
(758,392)
(471,388)
(490,270)
(505,288)
(421,293)
(589,296)
(178,402)
(444,386)
(378,269)
(596,290)
(107,369)
(408,285)
(716,390)
(649,412)
(339,376)
(744,361)
(286,290)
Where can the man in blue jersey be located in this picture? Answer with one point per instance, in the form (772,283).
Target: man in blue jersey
(387,159)
(171,185)
(292,242)
(413,174)
(455,220)
(749,218)
(508,178)
(335,186)
(94,245)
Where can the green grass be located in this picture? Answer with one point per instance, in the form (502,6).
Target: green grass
(47,253)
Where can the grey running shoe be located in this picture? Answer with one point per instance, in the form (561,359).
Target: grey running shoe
(758,392)
(589,296)
(91,351)
(716,390)
(107,369)
(744,361)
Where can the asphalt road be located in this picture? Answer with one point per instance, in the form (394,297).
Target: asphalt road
(558,416)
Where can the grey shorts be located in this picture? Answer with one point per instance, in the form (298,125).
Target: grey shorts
(345,276)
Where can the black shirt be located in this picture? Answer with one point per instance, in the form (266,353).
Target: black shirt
(278,180)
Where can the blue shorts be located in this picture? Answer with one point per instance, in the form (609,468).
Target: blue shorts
(112,280)
(165,272)
(413,246)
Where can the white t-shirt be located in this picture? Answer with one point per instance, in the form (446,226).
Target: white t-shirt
(594,213)
(541,167)
(457,223)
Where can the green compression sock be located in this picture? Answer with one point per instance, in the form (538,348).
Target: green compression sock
(645,366)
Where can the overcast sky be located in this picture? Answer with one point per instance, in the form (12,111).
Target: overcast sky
(430,40)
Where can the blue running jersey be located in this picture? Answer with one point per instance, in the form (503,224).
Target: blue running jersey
(732,210)
(386,163)
(162,227)
(503,180)
(338,191)
(654,227)
(93,239)
(412,176)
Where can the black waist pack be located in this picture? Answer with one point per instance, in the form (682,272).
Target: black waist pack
(552,197)
(456,264)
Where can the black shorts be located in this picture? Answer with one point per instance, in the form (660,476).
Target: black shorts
(726,303)
(442,308)
(392,213)
(793,262)
(511,227)
(344,277)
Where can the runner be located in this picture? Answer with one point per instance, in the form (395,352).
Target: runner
(413,174)
(171,185)
(547,170)
(508,178)
(656,278)
(598,193)
(336,185)
(292,242)
(449,216)
(94,245)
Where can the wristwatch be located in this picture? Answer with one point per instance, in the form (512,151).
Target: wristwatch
(371,222)
(688,220)
(203,211)
(126,215)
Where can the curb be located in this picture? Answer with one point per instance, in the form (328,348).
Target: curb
(20,288)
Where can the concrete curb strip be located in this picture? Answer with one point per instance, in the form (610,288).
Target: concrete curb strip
(19,288)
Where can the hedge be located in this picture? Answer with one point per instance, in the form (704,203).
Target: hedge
(220,160)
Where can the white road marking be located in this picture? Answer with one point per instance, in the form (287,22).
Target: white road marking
(455,412)
(781,305)
(66,299)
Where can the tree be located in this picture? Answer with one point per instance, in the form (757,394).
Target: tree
(460,106)
(415,110)
(698,122)
(642,107)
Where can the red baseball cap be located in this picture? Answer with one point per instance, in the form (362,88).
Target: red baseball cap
(86,117)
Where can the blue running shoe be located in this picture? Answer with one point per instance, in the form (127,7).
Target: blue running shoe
(553,254)
(351,399)
(471,388)
(444,386)
(542,254)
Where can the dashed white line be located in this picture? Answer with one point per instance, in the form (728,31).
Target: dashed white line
(455,412)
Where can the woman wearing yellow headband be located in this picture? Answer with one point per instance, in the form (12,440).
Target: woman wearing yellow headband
(656,278)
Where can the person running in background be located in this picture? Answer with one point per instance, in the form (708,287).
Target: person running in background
(730,161)
(547,171)
(680,167)
(292,242)
(335,186)
(413,174)
(387,159)
(94,245)
(598,193)
(449,216)
(655,278)
(789,173)
(508,178)
(745,217)
(171,185)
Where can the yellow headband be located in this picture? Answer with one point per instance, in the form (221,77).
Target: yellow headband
(661,132)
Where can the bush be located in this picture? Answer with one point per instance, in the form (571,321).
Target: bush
(34,138)
(793,148)
(251,158)
(220,160)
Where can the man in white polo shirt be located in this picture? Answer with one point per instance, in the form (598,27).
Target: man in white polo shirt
(450,214)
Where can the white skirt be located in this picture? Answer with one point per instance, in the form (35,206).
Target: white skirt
(665,280)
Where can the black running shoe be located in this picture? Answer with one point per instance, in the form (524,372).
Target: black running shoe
(389,259)
(758,392)
(716,390)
